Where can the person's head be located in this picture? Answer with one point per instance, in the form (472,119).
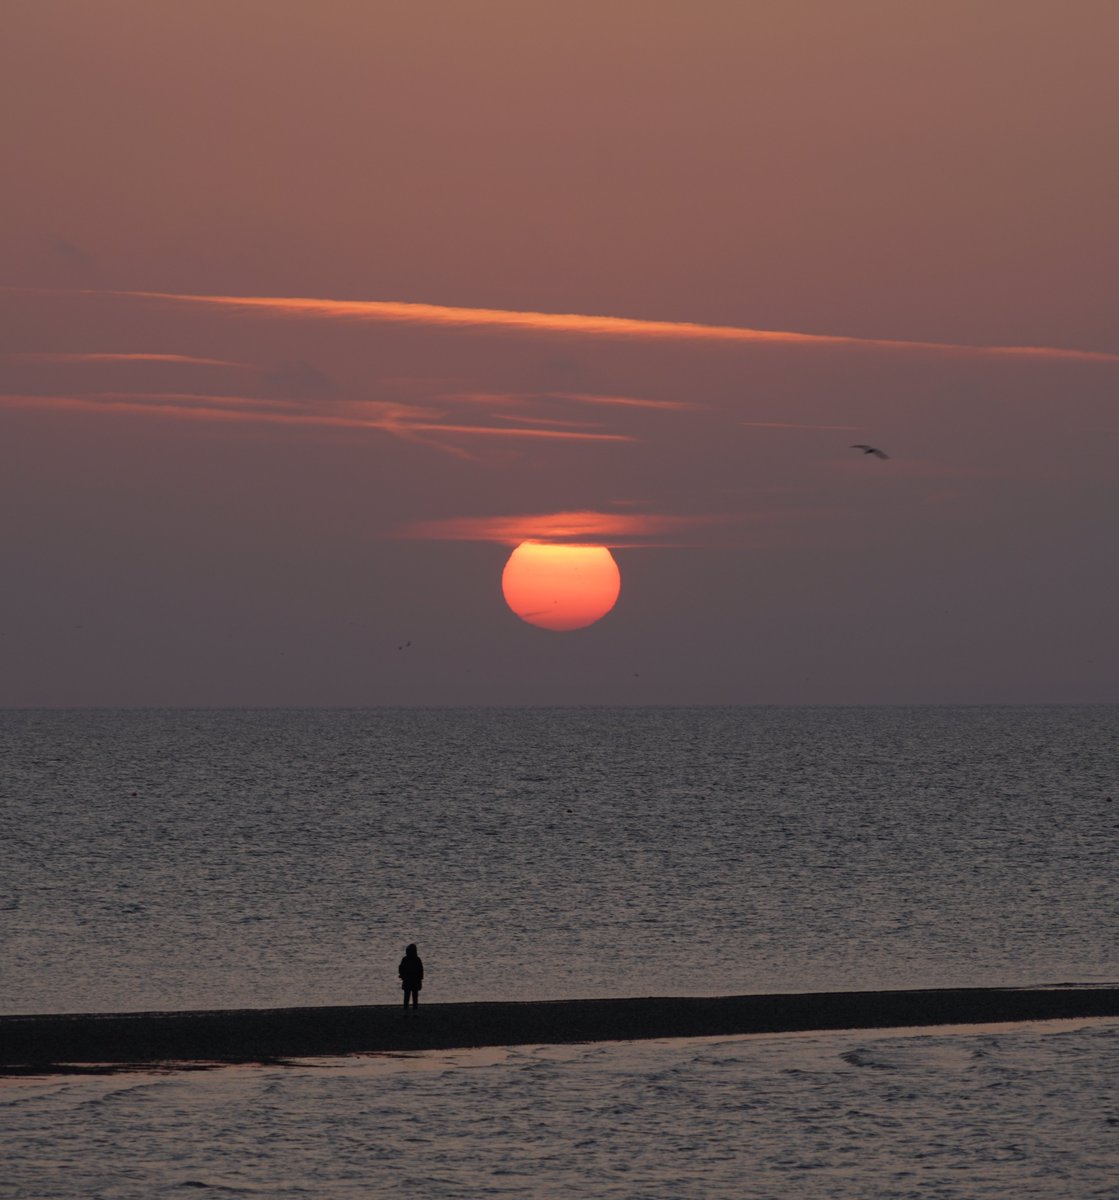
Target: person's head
(411,950)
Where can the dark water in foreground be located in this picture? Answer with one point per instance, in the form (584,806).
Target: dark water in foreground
(1022,1113)
(186,859)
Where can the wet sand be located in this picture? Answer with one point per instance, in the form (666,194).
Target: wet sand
(52,1043)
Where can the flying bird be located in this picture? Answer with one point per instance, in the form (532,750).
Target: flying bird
(870,450)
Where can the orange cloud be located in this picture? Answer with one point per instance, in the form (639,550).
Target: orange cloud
(500,431)
(626,401)
(793,425)
(579,525)
(516,399)
(446,316)
(50,358)
(183,406)
(388,417)
(557,422)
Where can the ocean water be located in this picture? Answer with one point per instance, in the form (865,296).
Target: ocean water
(189,859)
(174,859)
(1024,1112)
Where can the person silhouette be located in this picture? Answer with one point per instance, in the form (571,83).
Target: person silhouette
(411,972)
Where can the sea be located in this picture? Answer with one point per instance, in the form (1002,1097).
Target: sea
(187,859)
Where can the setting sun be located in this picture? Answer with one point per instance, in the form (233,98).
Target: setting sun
(560,587)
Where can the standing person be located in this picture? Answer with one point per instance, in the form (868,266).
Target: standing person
(411,972)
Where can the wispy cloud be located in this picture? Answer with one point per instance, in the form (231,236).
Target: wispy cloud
(557,422)
(501,431)
(520,399)
(579,525)
(50,358)
(180,405)
(626,401)
(794,425)
(487,399)
(581,324)
(389,417)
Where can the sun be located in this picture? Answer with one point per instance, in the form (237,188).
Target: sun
(560,586)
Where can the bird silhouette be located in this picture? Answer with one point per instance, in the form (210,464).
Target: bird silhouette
(870,450)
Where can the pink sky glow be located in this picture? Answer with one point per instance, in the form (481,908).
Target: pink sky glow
(308,314)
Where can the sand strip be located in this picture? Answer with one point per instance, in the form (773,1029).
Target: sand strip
(262,1035)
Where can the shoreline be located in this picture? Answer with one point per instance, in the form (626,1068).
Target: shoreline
(52,1043)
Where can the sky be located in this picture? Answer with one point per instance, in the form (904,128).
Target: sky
(310,313)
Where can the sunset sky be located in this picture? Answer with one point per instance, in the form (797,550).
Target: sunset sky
(311,312)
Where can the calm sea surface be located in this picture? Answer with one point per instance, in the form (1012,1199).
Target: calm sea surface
(187,859)
(1026,1113)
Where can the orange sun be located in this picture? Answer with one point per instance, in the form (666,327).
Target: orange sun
(560,587)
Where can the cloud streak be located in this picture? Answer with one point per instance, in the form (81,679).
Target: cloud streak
(626,401)
(574,526)
(578,324)
(52,358)
(387,417)
(795,425)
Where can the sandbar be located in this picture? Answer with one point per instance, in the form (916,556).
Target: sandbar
(47,1043)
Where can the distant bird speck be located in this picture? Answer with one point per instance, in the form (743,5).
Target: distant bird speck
(870,450)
